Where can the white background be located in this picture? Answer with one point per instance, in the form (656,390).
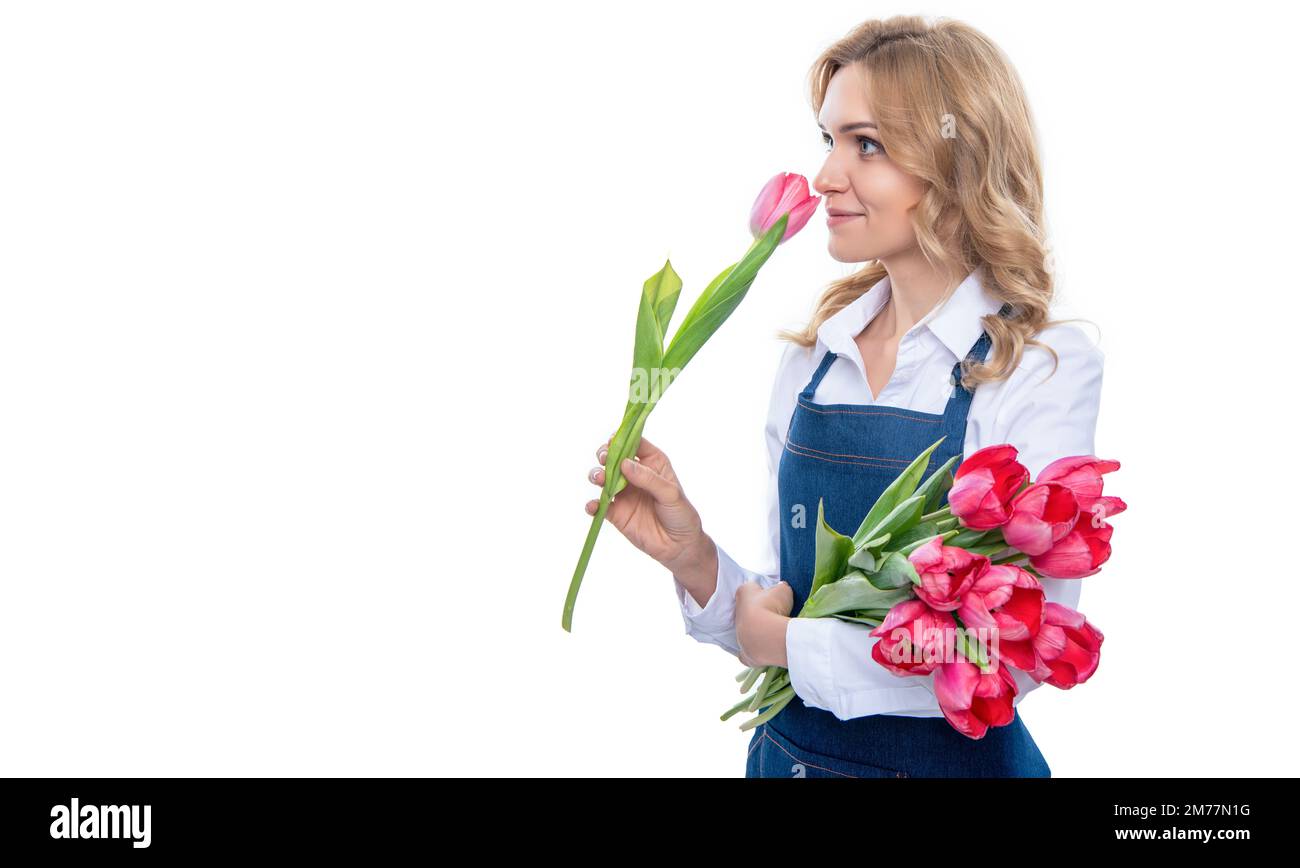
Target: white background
(312,316)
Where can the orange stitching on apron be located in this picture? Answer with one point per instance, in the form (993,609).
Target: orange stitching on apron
(848,455)
(809,407)
(755,745)
(805,762)
(795,451)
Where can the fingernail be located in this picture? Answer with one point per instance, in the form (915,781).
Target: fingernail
(627,465)
(604,453)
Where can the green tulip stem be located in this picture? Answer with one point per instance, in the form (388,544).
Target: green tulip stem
(576,583)
(942,512)
(779,701)
(779,681)
(737,708)
(780,678)
(756,702)
(633,421)
(970,650)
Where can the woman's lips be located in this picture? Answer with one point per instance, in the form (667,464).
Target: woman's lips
(837,219)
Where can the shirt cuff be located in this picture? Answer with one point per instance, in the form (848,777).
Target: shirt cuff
(719,611)
(831,668)
(715,621)
(808,658)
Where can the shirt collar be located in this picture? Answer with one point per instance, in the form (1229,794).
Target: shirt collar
(955,322)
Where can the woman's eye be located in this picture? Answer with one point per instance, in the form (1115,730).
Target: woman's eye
(876,147)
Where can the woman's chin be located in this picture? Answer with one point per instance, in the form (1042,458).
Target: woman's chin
(842,251)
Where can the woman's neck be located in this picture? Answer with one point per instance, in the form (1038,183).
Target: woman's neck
(915,288)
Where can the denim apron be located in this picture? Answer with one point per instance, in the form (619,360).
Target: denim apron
(846,454)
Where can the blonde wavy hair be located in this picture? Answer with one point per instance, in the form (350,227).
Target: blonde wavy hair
(951,111)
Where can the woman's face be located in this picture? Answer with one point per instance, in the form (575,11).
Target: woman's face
(859,177)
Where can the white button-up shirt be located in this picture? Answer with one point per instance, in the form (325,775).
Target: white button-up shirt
(1044,417)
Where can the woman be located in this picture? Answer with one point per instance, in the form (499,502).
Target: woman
(932,178)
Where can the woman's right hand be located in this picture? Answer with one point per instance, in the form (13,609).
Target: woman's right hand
(652,510)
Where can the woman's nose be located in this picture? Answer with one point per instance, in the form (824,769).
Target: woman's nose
(829,180)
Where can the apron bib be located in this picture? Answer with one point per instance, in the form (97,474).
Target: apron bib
(847,454)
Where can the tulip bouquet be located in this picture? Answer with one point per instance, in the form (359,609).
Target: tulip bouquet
(954,591)
(782,208)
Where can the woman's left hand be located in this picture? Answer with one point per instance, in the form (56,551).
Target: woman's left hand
(761,618)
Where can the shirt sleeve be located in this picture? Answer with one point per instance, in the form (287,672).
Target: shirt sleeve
(1048,415)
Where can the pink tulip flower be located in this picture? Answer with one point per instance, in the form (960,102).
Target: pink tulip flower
(984,485)
(1006,599)
(972,700)
(1022,655)
(914,639)
(1082,475)
(946,573)
(1041,515)
(786,192)
(1068,645)
(1079,553)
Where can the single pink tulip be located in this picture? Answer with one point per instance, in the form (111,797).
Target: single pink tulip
(972,700)
(914,639)
(1022,654)
(1079,553)
(1082,475)
(786,192)
(1068,645)
(1041,515)
(946,572)
(984,485)
(1006,599)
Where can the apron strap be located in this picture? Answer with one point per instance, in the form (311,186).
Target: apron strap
(955,413)
(978,353)
(825,366)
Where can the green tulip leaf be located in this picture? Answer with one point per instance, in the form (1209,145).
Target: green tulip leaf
(906,540)
(913,546)
(902,488)
(863,559)
(721,298)
(968,538)
(832,553)
(987,551)
(859,618)
(664,288)
(937,485)
(903,516)
(896,571)
(854,591)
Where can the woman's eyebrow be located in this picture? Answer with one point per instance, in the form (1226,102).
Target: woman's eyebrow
(850,127)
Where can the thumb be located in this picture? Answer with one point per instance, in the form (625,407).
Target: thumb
(649,481)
